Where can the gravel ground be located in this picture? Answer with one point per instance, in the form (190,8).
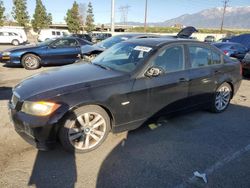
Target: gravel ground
(167,156)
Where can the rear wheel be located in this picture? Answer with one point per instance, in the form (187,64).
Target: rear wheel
(85,129)
(221,98)
(31,61)
(15,42)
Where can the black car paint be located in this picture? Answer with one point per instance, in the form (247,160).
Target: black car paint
(89,84)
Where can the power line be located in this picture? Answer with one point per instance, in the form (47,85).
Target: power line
(124,13)
(225,4)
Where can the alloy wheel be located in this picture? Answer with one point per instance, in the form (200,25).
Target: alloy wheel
(31,61)
(223,95)
(87,131)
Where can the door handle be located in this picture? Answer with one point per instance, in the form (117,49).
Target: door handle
(183,80)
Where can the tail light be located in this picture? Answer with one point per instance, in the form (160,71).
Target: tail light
(225,52)
(241,69)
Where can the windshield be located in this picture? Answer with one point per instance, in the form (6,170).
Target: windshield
(107,43)
(124,57)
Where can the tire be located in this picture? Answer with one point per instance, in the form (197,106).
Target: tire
(15,42)
(76,136)
(31,61)
(221,98)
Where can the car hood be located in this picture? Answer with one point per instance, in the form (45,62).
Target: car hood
(22,48)
(187,32)
(88,49)
(63,80)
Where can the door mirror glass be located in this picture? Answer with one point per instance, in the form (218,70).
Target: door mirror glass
(153,72)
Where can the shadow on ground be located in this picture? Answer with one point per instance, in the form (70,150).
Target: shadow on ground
(55,168)
(168,155)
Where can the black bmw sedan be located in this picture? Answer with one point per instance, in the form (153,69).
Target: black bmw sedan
(121,89)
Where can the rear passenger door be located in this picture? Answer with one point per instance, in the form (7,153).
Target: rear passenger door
(201,74)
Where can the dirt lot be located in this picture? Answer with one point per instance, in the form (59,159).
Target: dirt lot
(167,156)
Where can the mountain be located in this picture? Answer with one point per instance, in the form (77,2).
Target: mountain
(235,17)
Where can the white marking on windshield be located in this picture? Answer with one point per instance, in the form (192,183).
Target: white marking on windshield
(143,48)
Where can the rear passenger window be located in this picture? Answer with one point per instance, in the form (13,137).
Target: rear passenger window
(53,33)
(58,33)
(216,58)
(200,56)
(170,59)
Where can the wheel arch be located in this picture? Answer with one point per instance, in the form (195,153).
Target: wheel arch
(232,87)
(104,107)
(34,53)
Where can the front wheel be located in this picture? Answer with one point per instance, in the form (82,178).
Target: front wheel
(15,42)
(31,61)
(85,129)
(221,98)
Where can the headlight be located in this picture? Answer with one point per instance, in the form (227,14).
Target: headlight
(5,53)
(40,108)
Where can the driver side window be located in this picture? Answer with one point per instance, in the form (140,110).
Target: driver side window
(65,43)
(171,59)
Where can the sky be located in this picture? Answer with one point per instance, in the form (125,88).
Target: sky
(158,10)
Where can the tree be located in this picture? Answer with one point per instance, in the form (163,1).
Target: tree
(90,19)
(20,13)
(41,19)
(73,18)
(2,9)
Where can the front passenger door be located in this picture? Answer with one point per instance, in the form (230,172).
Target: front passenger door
(169,89)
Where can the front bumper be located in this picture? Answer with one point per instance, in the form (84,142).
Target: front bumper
(37,131)
(9,60)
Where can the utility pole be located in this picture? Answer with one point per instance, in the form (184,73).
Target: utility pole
(145,17)
(112,16)
(225,3)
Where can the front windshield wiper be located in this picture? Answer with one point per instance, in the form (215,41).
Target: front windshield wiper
(102,66)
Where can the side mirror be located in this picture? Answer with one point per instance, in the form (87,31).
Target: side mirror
(153,72)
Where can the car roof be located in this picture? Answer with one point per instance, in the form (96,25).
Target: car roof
(157,42)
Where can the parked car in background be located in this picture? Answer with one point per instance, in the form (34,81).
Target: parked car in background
(46,34)
(89,52)
(58,51)
(120,90)
(83,36)
(243,39)
(97,37)
(209,38)
(232,49)
(246,65)
(10,38)
(18,30)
